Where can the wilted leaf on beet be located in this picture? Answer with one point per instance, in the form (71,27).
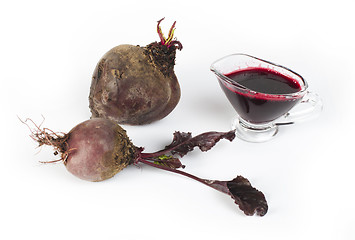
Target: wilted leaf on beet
(179,138)
(249,199)
(183,142)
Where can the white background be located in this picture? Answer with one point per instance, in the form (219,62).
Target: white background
(48,52)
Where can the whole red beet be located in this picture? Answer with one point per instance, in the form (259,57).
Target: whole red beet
(136,85)
(98,148)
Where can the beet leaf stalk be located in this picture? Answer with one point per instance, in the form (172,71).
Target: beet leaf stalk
(250,200)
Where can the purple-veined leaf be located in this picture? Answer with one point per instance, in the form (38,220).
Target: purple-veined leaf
(184,142)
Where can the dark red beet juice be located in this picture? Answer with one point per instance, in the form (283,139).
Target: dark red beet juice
(260,95)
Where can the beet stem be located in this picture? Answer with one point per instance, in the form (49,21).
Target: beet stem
(155,154)
(160,33)
(217,185)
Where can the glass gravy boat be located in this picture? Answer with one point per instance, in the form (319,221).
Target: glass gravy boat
(264,95)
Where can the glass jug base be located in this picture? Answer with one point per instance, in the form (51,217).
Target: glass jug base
(254,132)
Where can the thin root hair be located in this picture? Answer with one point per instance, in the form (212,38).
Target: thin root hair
(46,136)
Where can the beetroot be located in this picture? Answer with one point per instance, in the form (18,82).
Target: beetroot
(97,149)
(102,149)
(136,85)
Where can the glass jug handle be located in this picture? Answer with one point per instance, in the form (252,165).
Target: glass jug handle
(310,107)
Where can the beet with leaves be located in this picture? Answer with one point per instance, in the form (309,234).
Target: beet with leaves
(98,148)
(136,85)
